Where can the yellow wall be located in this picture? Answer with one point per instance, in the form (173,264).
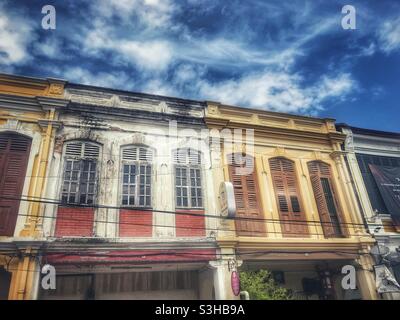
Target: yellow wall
(38,124)
(300,139)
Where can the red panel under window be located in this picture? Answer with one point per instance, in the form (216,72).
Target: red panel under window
(74,222)
(135,223)
(188,225)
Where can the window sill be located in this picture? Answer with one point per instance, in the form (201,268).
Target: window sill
(136,208)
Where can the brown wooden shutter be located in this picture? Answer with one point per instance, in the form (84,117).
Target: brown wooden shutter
(288,197)
(247,201)
(330,220)
(14,153)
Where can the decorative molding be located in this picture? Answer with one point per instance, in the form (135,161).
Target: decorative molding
(138,138)
(213,110)
(56,89)
(280,151)
(51,103)
(134,101)
(335,155)
(30,86)
(12,124)
(317,155)
(43,123)
(58,144)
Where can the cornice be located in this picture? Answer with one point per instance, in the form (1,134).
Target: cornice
(31,86)
(268,131)
(51,103)
(214,108)
(377,152)
(137,244)
(19,103)
(31,103)
(296,244)
(44,123)
(130,114)
(116,102)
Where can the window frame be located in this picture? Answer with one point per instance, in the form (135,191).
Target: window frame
(81,159)
(137,163)
(189,167)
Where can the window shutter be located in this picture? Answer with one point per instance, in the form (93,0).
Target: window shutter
(14,154)
(142,154)
(288,197)
(194,157)
(91,151)
(179,156)
(247,201)
(129,154)
(187,156)
(74,149)
(322,185)
(135,153)
(81,149)
(321,205)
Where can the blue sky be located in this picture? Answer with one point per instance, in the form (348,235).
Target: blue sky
(289,56)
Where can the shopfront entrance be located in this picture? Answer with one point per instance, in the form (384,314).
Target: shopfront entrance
(165,285)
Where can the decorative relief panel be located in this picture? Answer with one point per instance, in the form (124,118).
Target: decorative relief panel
(138,138)
(280,151)
(11,124)
(134,103)
(213,110)
(56,89)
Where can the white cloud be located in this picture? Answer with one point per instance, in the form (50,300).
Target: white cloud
(337,86)
(150,14)
(16,34)
(116,80)
(170,56)
(278,91)
(160,87)
(389,35)
(221,52)
(186,73)
(51,47)
(152,55)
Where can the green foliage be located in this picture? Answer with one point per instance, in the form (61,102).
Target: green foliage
(261,286)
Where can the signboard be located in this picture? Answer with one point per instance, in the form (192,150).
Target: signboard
(227,200)
(235,283)
(388,181)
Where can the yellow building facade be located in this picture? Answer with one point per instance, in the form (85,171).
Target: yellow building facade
(297,214)
(29,110)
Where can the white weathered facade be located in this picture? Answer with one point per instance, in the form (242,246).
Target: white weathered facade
(114,120)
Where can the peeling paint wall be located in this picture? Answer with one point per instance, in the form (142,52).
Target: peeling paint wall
(117,120)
